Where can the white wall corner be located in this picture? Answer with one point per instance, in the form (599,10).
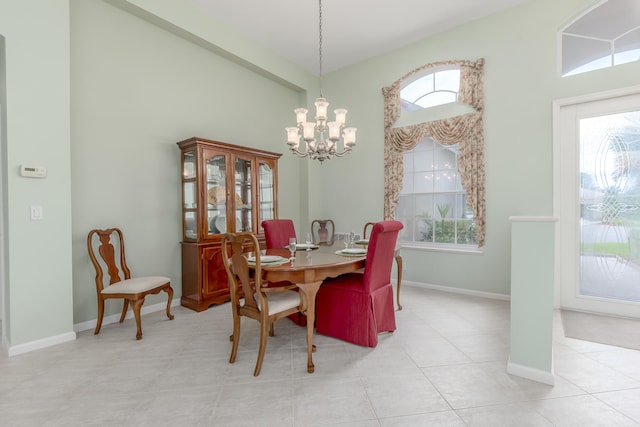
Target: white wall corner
(40,344)
(532,374)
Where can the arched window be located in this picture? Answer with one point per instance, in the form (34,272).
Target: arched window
(434,88)
(433,202)
(434,170)
(604,36)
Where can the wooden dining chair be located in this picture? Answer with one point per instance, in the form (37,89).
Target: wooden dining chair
(366,229)
(356,307)
(120,284)
(249,296)
(320,234)
(398,259)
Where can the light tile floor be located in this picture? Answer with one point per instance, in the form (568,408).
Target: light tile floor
(444,366)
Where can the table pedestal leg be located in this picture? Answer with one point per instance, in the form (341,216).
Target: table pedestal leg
(309,291)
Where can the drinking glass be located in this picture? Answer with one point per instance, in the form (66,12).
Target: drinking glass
(292,248)
(347,240)
(309,241)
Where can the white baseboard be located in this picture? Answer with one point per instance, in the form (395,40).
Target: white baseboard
(115,318)
(529,373)
(10,350)
(39,344)
(450,289)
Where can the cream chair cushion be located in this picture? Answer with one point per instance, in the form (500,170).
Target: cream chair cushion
(135,285)
(281,301)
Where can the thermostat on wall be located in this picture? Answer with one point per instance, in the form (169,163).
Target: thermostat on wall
(33,171)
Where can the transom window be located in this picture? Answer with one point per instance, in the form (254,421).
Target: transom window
(604,36)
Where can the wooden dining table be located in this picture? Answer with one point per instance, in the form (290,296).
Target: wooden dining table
(307,272)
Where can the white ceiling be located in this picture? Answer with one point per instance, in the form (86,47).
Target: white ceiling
(352,30)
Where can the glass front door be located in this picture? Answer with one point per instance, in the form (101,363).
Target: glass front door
(600,234)
(610,206)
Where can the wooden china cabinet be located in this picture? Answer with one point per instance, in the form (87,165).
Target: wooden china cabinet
(225,187)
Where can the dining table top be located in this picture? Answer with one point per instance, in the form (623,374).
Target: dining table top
(319,259)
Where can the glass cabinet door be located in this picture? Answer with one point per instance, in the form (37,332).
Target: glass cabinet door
(190,196)
(243,195)
(266,194)
(215,176)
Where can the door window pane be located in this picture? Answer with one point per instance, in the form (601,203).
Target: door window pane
(610,206)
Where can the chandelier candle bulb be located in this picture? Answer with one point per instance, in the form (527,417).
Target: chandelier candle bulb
(293,137)
(321,109)
(301,115)
(350,136)
(334,130)
(309,130)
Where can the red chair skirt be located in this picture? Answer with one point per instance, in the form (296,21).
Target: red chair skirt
(344,310)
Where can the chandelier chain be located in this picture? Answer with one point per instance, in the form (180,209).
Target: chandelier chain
(320,43)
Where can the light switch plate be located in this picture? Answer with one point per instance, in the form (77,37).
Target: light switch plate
(36,213)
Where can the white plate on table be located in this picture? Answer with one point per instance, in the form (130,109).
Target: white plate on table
(304,246)
(352,252)
(360,251)
(266,259)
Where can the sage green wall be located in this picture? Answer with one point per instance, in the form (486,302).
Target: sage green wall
(521,81)
(131,103)
(37,254)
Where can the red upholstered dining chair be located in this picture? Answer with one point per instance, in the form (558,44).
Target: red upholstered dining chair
(356,307)
(277,232)
(398,257)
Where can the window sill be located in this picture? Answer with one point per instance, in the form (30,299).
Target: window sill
(471,250)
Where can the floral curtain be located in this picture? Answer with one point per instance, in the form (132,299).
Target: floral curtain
(466,130)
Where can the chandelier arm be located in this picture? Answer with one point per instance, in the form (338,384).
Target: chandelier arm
(300,153)
(342,153)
